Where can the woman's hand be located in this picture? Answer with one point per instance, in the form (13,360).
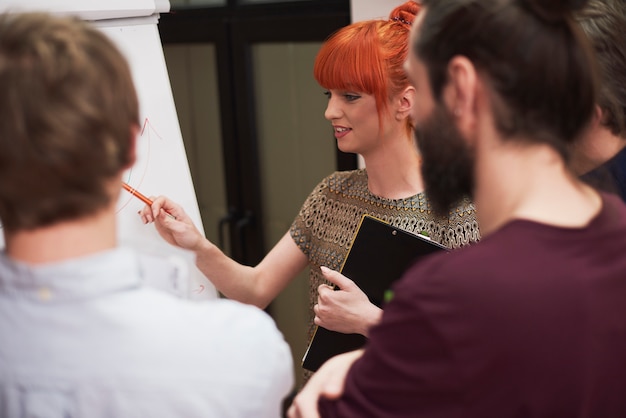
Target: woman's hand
(172,223)
(347,310)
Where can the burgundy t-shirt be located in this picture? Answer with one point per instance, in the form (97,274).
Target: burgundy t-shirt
(530,322)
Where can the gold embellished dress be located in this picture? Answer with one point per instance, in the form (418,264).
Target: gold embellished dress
(329,217)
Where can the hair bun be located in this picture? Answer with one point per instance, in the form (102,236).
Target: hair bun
(554,10)
(405,13)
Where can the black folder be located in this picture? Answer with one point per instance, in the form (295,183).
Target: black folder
(379,255)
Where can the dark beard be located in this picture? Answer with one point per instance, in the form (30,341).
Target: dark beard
(447,161)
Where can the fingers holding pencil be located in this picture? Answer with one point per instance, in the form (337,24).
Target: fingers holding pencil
(160,206)
(149,203)
(170,220)
(180,230)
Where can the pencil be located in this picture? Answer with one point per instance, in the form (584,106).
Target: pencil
(141,197)
(136,193)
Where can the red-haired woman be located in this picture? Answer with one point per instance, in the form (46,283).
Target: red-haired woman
(369,107)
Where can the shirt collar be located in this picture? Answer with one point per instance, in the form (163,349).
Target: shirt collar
(86,277)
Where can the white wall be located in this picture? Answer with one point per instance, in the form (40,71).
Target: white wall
(372,9)
(90,9)
(161,166)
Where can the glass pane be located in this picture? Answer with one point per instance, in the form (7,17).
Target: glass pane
(188,4)
(267,1)
(296,150)
(193,75)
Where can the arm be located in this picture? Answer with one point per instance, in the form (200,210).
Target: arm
(347,310)
(254,285)
(328,382)
(410,366)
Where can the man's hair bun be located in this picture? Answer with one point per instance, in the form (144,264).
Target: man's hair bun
(554,10)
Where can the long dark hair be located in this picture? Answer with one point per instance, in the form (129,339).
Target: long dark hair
(604,23)
(536,59)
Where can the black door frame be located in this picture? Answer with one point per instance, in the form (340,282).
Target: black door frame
(233,29)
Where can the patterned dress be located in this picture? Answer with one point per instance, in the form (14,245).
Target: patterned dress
(328,219)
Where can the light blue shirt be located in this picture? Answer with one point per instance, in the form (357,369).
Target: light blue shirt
(88,338)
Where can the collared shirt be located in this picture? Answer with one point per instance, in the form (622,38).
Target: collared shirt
(88,338)
(610,176)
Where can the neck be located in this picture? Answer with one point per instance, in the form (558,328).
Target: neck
(394,169)
(597,147)
(531,182)
(65,240)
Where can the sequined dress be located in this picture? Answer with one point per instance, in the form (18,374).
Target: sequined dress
(329,217)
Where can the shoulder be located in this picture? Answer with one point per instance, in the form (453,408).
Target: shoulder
(463,224)
(211,334)
(342,180)
(196,323)
(466,262)
(249,328)
(464,208)
(230,318)
(252,339)
(461,268)
(613,209)
(340,183)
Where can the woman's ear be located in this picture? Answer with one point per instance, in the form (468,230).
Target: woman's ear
(406,103)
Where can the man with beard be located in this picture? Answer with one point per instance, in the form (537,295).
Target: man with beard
(531,321)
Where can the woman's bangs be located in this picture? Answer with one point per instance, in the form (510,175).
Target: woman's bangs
(350,65)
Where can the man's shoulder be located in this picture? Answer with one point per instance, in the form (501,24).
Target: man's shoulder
(217,336)
(469,266)
(524,247)
(474,256)
(215,315)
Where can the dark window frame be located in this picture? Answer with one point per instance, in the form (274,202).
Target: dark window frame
(233,29)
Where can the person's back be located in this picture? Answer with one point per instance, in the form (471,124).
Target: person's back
(524,324)
(88,338)
(82,331)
